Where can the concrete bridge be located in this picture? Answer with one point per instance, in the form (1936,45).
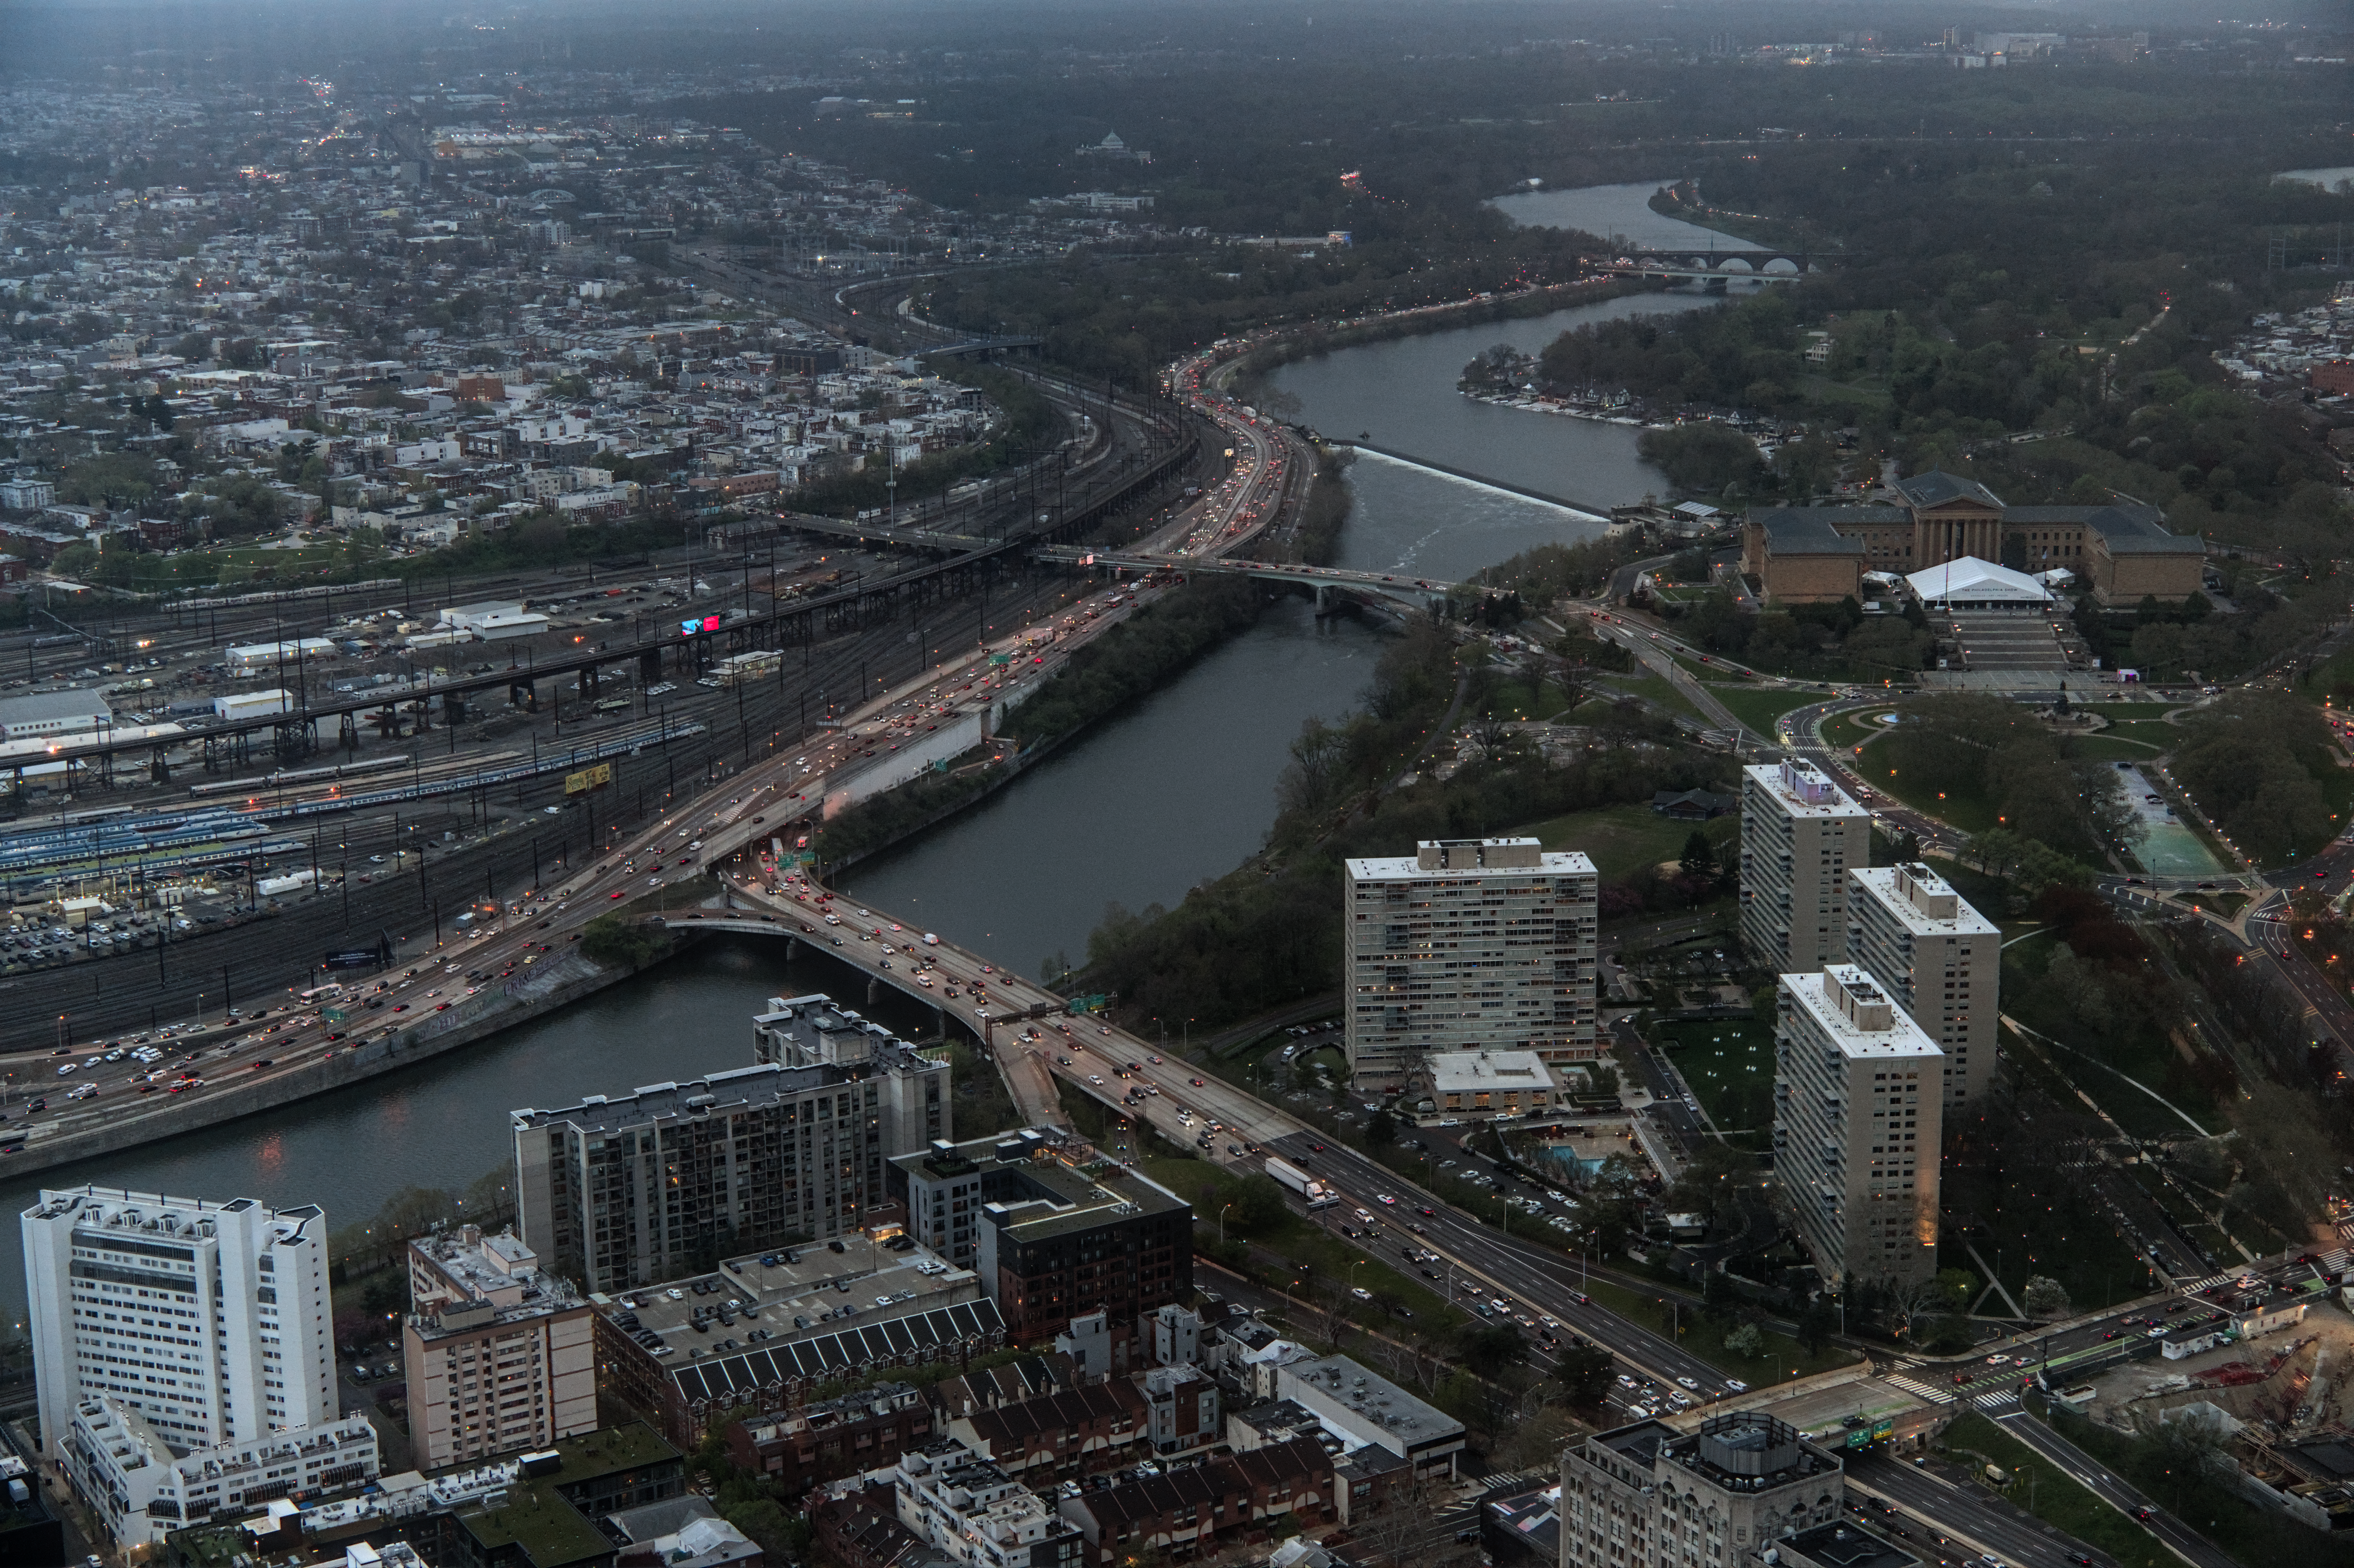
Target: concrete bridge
(1752,262)
(1411,592)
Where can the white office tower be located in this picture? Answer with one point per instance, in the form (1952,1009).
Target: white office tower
(1472,944)
(1940,958)
(1799,834)
(1858,1111)
(210,1320)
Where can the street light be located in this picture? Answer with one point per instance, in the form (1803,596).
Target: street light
(1222,1224)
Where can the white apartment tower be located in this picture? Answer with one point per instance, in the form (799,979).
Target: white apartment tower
(1471,944)
(210,1320)
(1858,1111)
(1939,957)
(1799,834)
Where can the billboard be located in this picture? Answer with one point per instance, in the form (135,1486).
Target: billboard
(594,778)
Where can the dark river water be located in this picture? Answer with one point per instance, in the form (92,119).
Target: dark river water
(1178,790)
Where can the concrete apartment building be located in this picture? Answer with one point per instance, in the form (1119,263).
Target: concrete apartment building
(144,1487)
(208,1321)
(1939,958)
(1648,1496)
(667,1179)
(1799,835)
(961,1503)
(1050,1241)
(1470,945)
(500,1356)
(913,1104)
(1858,1112)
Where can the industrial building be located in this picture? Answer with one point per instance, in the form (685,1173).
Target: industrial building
(1859,1106)
(43,714)
(1471,944)
(1799,835)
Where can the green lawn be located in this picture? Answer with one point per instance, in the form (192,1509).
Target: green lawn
(1617,839)
(1729,1063)
(1849,730)
(2112,748)
(1759,706)
(1782,1360)
(1964,811)
(2051,1495)
(1656,690)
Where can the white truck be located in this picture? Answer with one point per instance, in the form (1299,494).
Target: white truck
(1318,1195)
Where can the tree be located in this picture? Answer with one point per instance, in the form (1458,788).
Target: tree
(1747,1341)
(1490,1348)
(1815,1324)
(1586,1371)
(2044,1297)
(1258,1205)
(1382,1131)
(1700,855)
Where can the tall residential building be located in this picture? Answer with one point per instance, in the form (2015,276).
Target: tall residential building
(1053,1235)
(668,1179)
(811,1031)
(1859,1097)
(1473,944)
(1940,958)
(1799,834)
(1647,1496)
(208,1321)
(500,1356)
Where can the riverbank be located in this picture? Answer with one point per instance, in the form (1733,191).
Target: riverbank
(567,978)
(1247,375)
(1161,640)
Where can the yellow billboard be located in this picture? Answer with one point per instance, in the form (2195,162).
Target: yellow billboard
(594,778)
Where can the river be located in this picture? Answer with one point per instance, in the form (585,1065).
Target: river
(1177,790)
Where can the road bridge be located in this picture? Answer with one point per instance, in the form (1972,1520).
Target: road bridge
(1415,593)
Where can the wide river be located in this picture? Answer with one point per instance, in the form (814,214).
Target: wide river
(1178,790)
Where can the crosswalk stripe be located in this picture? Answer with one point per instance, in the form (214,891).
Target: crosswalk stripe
(1920,1390)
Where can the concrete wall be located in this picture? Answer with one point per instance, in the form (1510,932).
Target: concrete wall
(450,1031)
(910,762)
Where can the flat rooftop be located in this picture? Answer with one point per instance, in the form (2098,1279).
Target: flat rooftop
(1802,790)
(791,1293)
(1903,1039)
(1914,895)
(765,1083)
(1841,1544)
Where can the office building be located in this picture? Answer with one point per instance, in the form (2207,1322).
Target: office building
(500,1356)
(1799,835)
(207,1321)
(1055,1234)
(1859,1106)
(1940,959)
(668,1179)
(1470,945)
(145,1487)
(1646,1496)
